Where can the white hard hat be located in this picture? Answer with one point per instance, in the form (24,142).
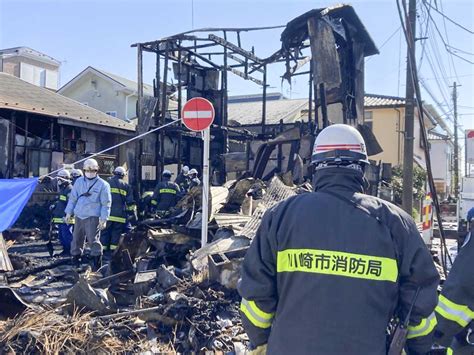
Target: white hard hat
(339,144)
(166,173)
(64,174)
(185,170)
(91,164)
(76,173)
(193,171)
(119,170)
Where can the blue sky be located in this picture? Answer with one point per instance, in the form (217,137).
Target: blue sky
(99,33)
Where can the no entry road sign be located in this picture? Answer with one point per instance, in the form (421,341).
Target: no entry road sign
(198,114)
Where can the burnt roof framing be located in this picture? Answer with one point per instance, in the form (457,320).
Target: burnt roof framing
(209,49)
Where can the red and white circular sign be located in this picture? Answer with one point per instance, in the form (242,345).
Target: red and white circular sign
(198,114)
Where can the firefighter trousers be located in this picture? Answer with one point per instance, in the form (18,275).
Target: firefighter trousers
(86,233)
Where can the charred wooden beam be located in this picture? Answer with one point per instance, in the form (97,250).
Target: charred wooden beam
(235,48)
(246,77)
(243,62)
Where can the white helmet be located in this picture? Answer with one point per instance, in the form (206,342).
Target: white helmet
(64,174)
(75,173)
(120,171)
(166,173)
(339,144)
(193,171)
(91,165)
(185,170)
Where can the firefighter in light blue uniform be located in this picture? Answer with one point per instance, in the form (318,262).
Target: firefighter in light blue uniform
(89,202)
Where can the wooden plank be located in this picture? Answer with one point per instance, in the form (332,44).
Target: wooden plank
(5,263)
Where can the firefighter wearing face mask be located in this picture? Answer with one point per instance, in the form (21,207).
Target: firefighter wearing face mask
(328,270)
(89,203)
(64,227)
(122,212)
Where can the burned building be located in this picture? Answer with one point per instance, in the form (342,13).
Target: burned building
(326,45)
(40,130)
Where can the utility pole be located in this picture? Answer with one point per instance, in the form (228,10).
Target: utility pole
(407,194)
(456,147)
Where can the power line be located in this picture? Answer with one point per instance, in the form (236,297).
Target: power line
(447,47)
(386,41)
(447,40)
(449,19)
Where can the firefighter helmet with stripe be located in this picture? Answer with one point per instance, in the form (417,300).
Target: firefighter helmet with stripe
(75,173)
(166,173)
(339,144)
(120,171)
(63,173)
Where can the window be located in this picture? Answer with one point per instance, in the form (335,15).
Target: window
(111,113)
(368,119)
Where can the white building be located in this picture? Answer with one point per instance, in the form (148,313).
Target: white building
(106,92)
(31,66)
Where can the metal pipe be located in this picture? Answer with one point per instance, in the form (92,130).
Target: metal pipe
(310,95)
(180,135)
(264,98)
(27,165)
(205,186)
(163,109)
(224,94)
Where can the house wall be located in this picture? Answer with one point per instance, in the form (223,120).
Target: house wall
(30,70)
(388,125)
(101,95)
(385,126)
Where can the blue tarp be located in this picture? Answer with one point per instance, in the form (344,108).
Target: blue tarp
(14,195)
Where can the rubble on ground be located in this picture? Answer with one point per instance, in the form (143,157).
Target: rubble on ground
(158,292)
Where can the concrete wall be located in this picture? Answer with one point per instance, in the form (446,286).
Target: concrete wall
(102,95)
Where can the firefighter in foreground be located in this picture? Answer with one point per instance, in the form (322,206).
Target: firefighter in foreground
(327,269)
(455,310)
(89,202)
(58,208)
(122,212)
(165,196)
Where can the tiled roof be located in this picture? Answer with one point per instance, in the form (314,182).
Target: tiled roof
(371,100)
(291,110)
(250,113)
(129,84)
(16,94)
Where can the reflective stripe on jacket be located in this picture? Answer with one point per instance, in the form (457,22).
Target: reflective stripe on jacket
(324,277)
(60,204)
(455,308)
(165,195)
(122,200)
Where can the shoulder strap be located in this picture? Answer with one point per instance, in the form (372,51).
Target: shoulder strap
(88,190)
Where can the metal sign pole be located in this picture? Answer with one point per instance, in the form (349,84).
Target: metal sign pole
(205,186)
